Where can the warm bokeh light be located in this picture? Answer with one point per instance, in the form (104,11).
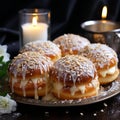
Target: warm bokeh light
(104,12)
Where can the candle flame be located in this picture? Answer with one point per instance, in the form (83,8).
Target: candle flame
(104,12)
(34,21)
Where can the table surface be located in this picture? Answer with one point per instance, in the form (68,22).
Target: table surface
(105,110)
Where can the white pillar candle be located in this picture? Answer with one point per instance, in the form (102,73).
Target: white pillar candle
(34,31)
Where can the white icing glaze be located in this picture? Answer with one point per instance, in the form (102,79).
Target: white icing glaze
(58,86)
(14,80)
(35,88)
(24,69)
(70,42)
(22,85)
(100,54)
(95,82)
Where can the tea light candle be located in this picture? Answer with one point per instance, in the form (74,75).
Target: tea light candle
(34,31)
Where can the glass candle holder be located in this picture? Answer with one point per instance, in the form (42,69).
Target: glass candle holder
(34,25)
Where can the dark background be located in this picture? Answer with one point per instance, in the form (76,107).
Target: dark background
(66,16)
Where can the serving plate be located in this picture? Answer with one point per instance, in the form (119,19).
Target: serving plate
(105,92)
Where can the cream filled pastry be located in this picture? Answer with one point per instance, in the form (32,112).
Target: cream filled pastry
(29,74)
(46,48)
(74,77)
(105,60)
(71,43)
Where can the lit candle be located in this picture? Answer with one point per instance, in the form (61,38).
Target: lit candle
(100,25)
(34,31)
(104,12)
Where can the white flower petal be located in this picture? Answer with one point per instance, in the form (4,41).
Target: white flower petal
(6,57)
(7,105)
(8,96)
(3,52)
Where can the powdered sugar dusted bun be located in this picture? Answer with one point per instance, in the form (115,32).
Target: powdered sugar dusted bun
(71,43)
(105,60)
(29,74)
(74,77)
(46,48)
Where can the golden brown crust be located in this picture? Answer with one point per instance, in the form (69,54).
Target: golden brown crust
(71,44)
(31,93)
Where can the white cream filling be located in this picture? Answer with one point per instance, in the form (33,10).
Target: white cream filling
(108,71)
(94,83)
(82,89)
(73,89)
(58,87)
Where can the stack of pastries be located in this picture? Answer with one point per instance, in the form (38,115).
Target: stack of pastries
(70,67)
